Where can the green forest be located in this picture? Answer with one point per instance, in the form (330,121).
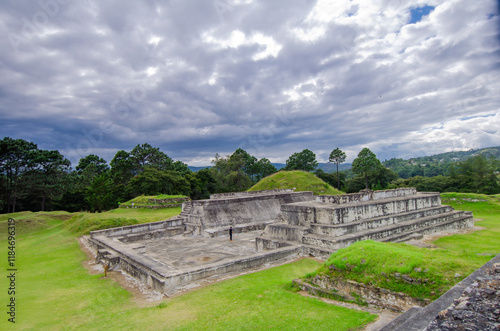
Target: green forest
(43,180)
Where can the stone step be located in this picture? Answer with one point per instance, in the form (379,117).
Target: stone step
(402,229)
(328,214)
(156,234)
(102,252)
(372,223)
(318,251)
(286,232)
(265,243)
(455,223)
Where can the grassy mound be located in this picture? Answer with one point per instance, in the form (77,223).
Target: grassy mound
(83,223)
(147,200)
(298,180)
(383,264)
(436,270)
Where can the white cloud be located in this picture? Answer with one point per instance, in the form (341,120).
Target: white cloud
(238,39)
(261,75)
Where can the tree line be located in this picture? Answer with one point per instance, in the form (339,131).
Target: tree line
(36,179)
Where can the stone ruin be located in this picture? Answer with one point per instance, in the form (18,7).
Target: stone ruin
(268,227)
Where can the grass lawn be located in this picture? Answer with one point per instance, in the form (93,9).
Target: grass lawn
(54,291)
(144,199)
(82,223)
(483,207)
(375,263)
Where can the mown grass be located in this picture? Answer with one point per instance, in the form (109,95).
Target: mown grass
(485,207)
(298,180)
(82,223)
(54,292)
(376,263)
(143,199)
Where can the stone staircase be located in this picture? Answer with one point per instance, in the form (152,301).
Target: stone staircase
(322,228)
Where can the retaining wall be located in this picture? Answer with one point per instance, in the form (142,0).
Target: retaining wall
(254,208)
(244,194)
(131,229)
(353,291)
(366,195)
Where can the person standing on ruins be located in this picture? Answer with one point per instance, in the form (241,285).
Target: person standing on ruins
(231,233)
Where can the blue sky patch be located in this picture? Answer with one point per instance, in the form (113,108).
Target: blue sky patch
(419,12)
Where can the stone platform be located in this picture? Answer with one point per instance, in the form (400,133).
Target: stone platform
(268,227)
(330,223)
(170,263)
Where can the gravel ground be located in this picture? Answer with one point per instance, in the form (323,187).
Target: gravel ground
(477,309)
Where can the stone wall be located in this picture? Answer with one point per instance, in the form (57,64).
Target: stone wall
(169,200)
(170,205)
(366,195)
(358,292)
(254,208)
(134,229)
(244,194)
(301,214)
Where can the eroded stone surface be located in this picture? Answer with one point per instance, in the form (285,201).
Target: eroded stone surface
(187,252)
(477,309)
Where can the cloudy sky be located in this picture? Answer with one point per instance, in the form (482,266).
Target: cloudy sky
(195,78)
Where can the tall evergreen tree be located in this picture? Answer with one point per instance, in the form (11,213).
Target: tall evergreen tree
(15,160)
(337,156)
(366,164)
(49,167)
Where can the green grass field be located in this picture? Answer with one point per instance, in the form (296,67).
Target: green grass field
(371,262)
(55,292)
(143,199)
(82,223)
(298,180)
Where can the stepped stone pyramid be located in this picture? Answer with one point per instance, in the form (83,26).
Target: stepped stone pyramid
(328,223)
(192,246)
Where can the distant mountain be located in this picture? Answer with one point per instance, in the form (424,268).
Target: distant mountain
(458,156)
(279,165)
(326,167)
(435,165)
(332,167)
(441,158)
(195,169)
